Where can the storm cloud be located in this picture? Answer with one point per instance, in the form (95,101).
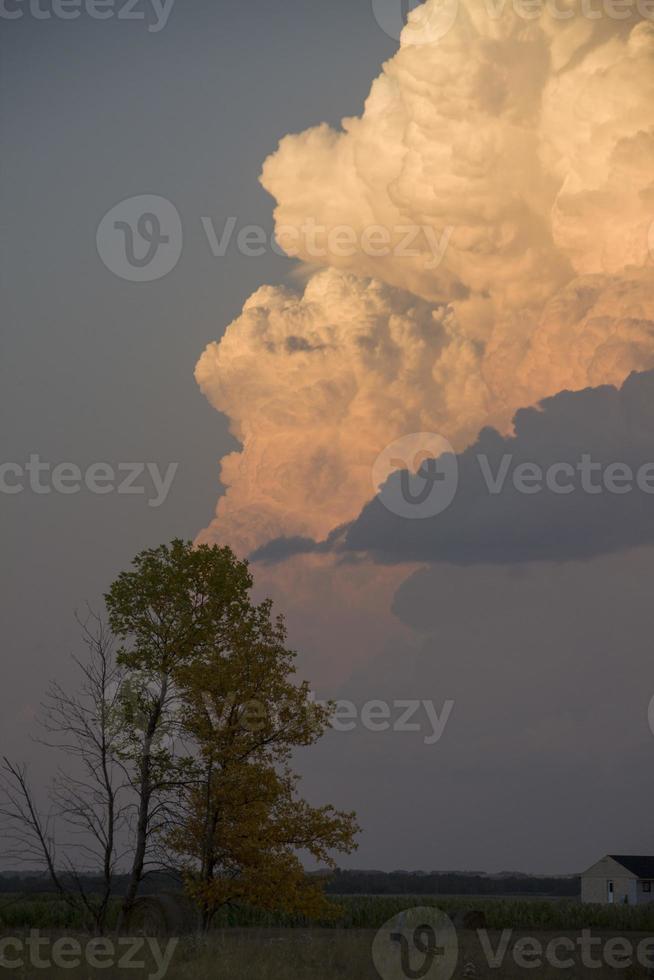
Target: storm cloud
(574,481)
(479,238)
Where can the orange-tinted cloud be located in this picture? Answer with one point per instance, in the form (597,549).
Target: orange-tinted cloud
(519,153)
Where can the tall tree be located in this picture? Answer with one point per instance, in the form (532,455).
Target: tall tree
(176,603)
(242,821)
(213,719)
(182,745)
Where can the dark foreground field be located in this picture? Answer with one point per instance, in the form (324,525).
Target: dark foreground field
(298,954)
(522,939)
(315,955)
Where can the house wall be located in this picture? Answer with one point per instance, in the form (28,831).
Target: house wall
(643,897)
(594,884)
(595,889)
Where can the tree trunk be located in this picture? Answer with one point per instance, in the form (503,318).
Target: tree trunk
(143,821)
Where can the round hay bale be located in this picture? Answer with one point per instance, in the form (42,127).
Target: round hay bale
(168,914)
(470,919)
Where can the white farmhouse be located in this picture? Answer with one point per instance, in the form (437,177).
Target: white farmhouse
(619,879)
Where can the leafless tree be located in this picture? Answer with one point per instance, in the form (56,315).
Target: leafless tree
(89,806)
(30,833)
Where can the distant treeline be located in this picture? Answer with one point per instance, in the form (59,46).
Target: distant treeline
(40,884)
(448,883)
(349,883)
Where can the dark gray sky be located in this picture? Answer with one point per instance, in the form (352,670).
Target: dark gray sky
(97,369)
(545,760)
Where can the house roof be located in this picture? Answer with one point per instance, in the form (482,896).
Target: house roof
(640,865)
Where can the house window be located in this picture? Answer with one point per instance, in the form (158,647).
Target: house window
(647,886)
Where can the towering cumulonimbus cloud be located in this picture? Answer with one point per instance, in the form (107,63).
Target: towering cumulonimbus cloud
(317,384)
(480,238)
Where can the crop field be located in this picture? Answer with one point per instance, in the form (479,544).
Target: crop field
(370,912)
(320,954)
(250,945)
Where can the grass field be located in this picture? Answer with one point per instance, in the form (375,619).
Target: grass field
(252,946)
(298,954)
(370,912)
